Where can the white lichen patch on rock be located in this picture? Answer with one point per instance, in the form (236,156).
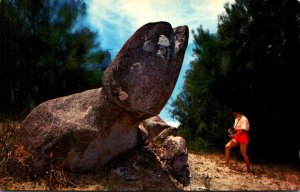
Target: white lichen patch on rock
(148,46)
(161,51)
(164,41)
(177,44)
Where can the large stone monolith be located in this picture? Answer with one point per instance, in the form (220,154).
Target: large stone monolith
(90,128)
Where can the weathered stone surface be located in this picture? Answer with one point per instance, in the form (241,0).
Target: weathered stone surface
(143,75)
(162,136)
(144,134)
(154,125)
(172,154)
(175,152)
(92,127)
(175,158)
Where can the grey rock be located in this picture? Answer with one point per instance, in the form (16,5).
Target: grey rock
(162,136)
(88,129)
(154,125)
(175,158)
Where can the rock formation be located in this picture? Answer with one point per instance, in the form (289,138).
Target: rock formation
(90,128)
(174,158)
(170,150)
(154,125)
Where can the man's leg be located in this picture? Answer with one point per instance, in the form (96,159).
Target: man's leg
(243,148)
(232,143)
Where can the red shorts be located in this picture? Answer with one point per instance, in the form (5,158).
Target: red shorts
(242,137)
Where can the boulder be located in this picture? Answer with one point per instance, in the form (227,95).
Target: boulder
(88,129)
(162,136)
(154,125)
(172,154)
(175,153)
(143,134)
(174,158)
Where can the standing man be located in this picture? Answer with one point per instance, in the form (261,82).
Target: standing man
(239,136)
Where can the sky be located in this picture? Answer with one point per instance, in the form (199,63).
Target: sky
(116,20)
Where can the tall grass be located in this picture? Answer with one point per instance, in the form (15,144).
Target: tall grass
(9,140)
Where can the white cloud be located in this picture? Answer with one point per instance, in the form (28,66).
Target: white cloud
(155,10)
(136,13)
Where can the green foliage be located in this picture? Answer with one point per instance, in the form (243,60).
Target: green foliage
(198,107)
(253,62)
(44,53)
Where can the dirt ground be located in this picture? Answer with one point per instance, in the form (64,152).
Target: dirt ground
(208,173)
(140,170)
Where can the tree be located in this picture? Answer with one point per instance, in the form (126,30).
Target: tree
(260,41)
(254,64)
(44,52)
(198,107)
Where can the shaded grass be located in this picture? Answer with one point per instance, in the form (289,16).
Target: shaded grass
(10,151)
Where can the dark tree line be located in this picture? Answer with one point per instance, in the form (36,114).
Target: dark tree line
(252,61)
(43,52)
